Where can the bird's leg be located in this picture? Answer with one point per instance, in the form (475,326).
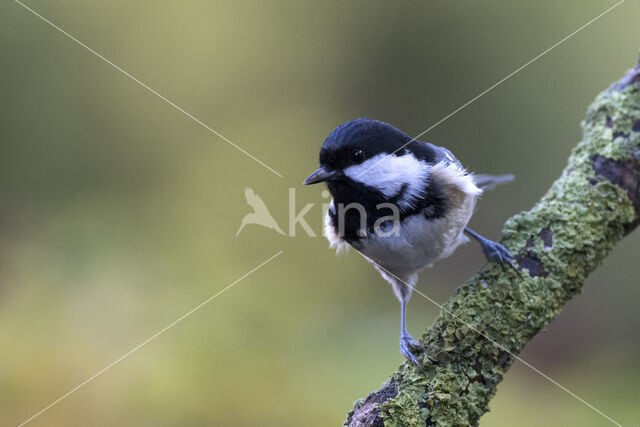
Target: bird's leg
(494,251)
(407,343)
(403,289)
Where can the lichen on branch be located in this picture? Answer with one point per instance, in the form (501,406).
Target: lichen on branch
(563,238)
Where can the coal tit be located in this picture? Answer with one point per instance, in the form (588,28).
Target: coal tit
(404,204)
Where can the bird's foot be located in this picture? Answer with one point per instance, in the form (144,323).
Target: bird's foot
(495,252)
(409,346)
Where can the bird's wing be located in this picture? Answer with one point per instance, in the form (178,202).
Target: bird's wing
(489,182)
(433,154)
(248,193)
(254,200)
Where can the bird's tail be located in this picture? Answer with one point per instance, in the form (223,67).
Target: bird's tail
(489,182)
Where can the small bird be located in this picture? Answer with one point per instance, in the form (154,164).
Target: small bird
(404,204)
(260,215)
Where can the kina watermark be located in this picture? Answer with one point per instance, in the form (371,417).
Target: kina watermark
(381,221)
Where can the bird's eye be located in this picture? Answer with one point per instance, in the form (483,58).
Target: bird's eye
(357,156)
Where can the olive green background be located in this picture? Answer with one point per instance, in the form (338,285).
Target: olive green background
(118,213)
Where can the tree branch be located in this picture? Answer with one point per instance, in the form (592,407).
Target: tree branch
(563,238)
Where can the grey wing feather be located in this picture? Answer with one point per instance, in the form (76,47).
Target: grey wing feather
(437,154)
(489,182)
(484,181)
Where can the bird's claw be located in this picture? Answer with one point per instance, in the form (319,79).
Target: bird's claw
(495,252)
(408,346)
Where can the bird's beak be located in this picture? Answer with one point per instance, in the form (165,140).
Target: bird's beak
(321,175)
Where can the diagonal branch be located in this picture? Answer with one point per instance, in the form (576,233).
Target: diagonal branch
(563,238)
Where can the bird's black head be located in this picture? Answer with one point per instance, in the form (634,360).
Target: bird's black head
(372,163)
(353,143)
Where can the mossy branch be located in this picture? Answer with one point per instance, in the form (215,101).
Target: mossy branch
(563,238)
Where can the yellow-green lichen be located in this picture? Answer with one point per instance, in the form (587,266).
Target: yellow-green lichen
(559,242)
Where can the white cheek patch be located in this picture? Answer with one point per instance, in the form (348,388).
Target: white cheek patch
(389,173)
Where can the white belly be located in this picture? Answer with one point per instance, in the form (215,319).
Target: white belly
(418,243)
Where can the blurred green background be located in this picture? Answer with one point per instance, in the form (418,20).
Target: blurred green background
(118,214)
